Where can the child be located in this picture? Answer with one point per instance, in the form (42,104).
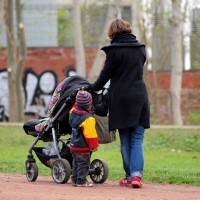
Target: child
(83,139)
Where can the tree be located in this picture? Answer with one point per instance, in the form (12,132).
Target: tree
(160,47)
(78,41)
(176,63)
(16,52)
(136,17)
(99,59)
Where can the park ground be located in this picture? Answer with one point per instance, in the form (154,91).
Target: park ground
(16,187)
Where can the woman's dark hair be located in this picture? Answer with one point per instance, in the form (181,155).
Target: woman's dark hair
(117,27)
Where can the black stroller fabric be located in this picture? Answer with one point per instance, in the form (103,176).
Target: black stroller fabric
(45,159)
(29,126)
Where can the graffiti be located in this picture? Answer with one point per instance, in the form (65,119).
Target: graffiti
(37,92)
(3,94)
(2,116)
(70,71)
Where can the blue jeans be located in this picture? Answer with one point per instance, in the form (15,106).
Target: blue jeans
(132,150)
(80,169)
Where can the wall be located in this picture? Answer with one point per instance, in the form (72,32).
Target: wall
(46,67)
(190,94)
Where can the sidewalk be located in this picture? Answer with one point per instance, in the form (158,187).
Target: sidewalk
(152,126)
(175,126)
(11,124)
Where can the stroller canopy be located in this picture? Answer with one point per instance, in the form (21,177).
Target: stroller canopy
(63,90)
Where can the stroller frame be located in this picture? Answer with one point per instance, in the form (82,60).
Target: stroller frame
(60,167)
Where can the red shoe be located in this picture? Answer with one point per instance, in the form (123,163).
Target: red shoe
(136,182)
(124,182)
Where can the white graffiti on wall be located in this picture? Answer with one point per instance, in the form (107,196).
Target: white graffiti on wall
(47,85)
(3,94)
(37,93)
(30,87)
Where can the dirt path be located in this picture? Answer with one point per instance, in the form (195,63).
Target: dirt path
(16,187)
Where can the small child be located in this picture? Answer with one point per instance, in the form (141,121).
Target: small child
(84,138)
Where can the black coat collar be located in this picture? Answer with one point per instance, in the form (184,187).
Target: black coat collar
(123,40)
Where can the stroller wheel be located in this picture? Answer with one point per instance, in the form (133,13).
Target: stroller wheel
(31,171)
(99,171)
(61,171)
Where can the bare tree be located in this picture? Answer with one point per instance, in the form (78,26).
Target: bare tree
(160,50)
(99,59)
(176,62)
(141,27)
(136,17)
(78,40)
(160,33)
(16,51)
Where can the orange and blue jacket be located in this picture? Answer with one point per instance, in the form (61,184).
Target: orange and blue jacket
(84,136)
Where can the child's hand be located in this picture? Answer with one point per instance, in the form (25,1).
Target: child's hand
(94,149)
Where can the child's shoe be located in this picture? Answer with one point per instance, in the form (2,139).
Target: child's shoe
(136,182)
(73,181)
(87,184)
(74,184)
(124,182)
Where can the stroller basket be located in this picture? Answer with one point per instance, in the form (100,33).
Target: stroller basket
(45,159)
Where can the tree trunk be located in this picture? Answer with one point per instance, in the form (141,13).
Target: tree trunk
(78,41)
(136,17)
(15,60)
(100,56)
(176,63)
(160,48)
(21,59)
(11,56)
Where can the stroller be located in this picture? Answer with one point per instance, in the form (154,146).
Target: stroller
(56,125)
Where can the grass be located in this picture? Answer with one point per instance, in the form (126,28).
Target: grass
(171,155)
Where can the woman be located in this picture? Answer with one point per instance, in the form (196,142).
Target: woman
(128,98)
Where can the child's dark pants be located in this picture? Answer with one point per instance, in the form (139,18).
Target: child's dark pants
(80,169)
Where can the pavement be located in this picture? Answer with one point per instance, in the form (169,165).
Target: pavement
(11,124)
(152,126)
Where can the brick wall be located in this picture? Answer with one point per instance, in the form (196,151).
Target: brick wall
(59,60)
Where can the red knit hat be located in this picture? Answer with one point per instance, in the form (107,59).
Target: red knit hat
(84,98)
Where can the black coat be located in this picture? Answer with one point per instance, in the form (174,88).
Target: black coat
(128,98)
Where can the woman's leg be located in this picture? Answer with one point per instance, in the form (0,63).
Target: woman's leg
(125,140)
(137,153)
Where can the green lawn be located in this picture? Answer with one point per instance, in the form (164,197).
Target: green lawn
(171,155)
